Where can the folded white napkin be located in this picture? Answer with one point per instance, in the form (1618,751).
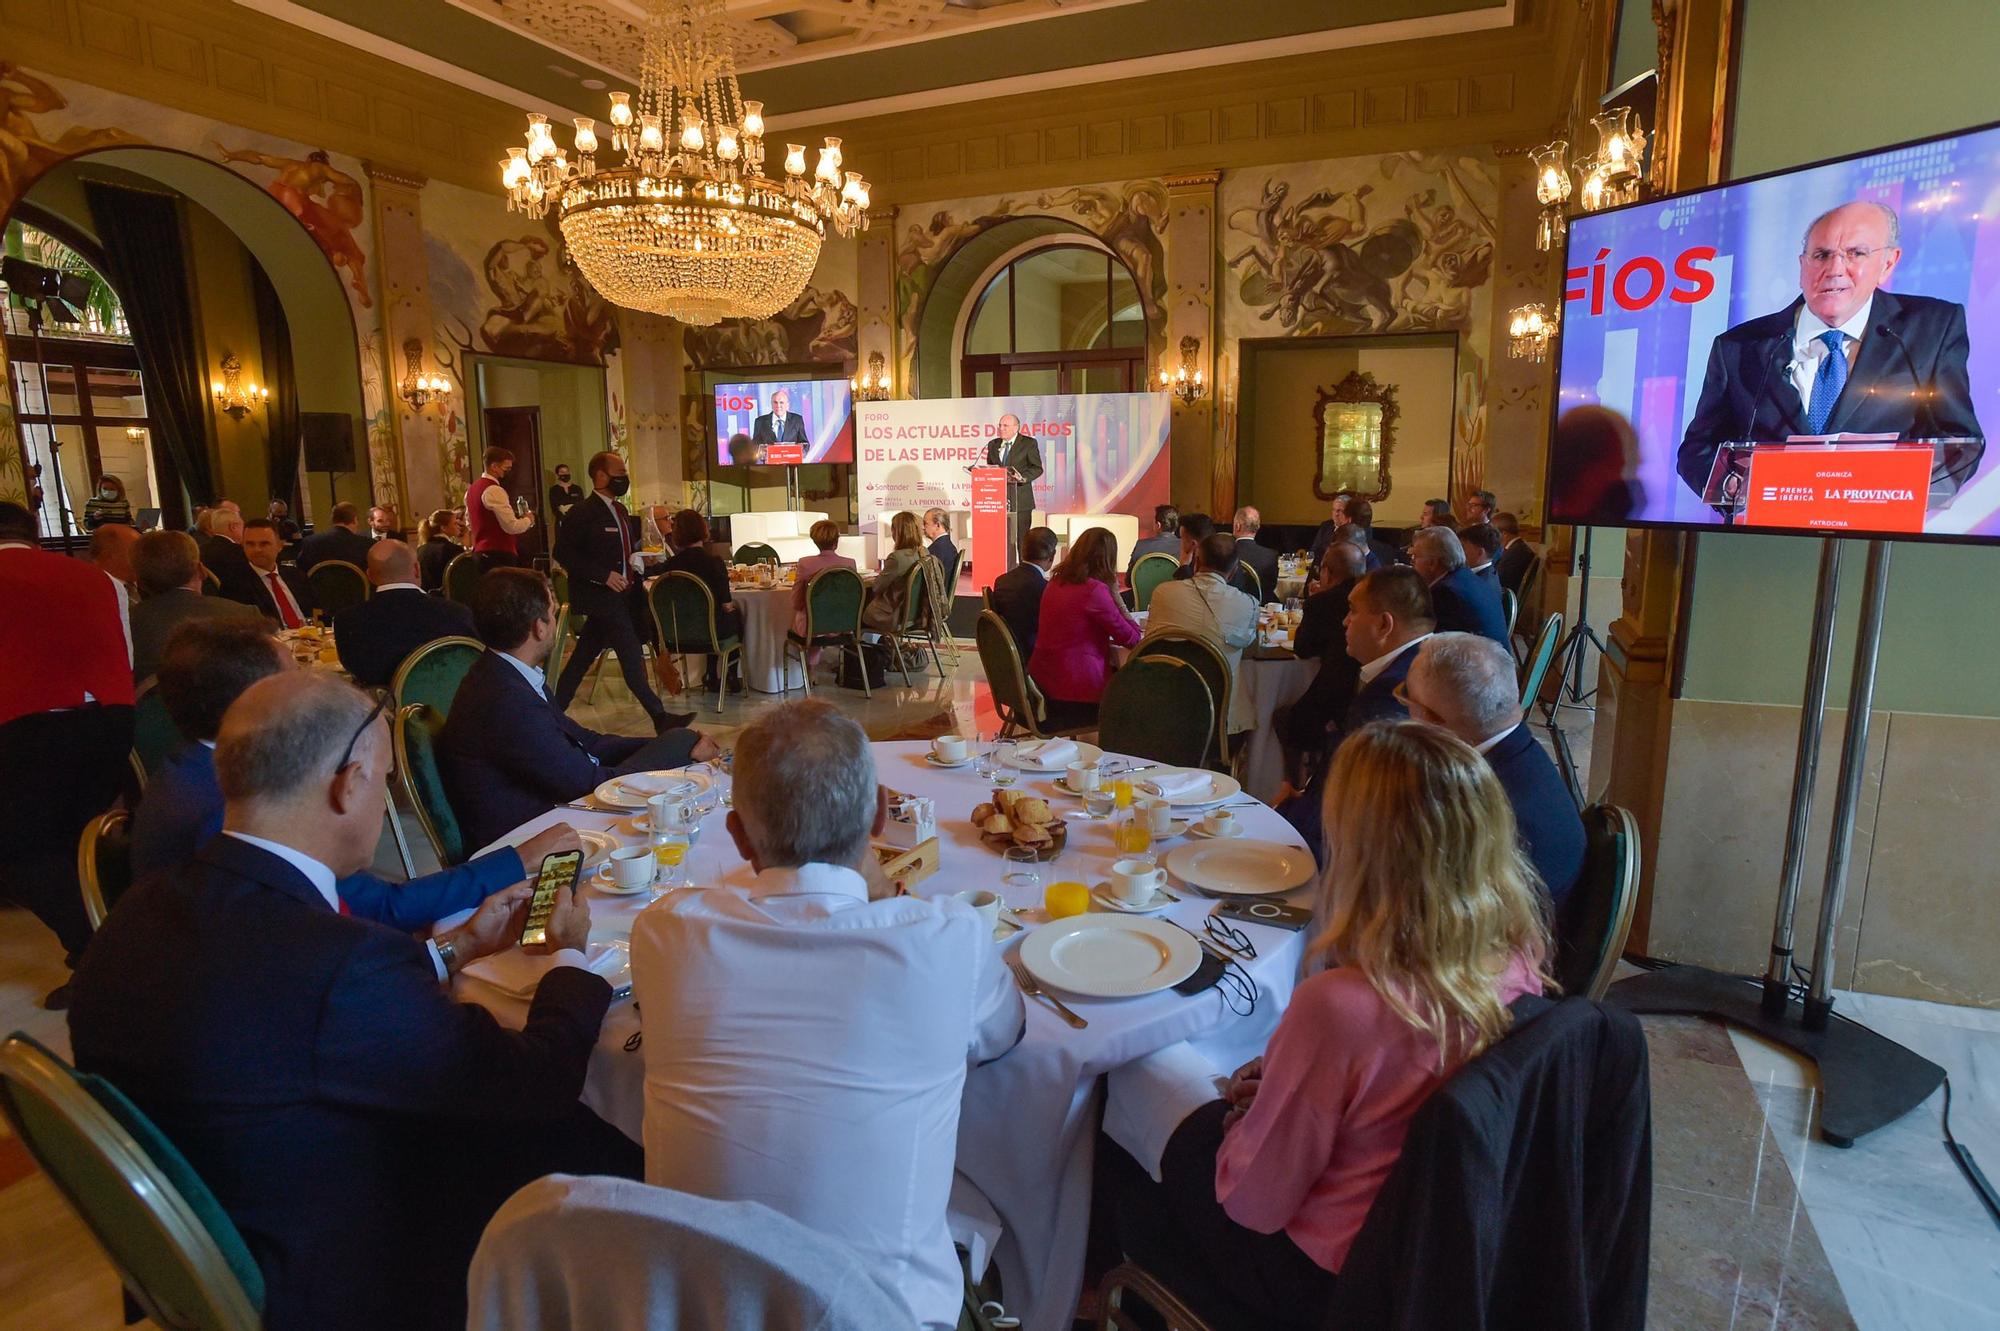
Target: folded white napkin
(1181,785)
(517,973)
(651,783)
(1050,752)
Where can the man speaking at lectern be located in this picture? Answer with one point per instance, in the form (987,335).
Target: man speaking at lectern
(1844,358)
(779,425)
(1022,457)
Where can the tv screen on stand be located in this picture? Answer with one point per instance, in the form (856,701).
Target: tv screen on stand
(1813,351)
(784,423)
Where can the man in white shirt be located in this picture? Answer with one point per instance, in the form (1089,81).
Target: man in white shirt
(806,1039)
(383,522)
(283,594)
(111,550)
(1205,606)
(489,511)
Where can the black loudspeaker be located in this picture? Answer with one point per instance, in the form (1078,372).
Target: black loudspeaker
(329,438)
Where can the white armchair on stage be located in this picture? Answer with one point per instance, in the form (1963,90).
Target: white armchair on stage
(787,534)
(1069,526)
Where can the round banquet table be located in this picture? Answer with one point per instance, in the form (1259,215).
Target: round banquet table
(1028,1122)
(1272,682)
(767,618)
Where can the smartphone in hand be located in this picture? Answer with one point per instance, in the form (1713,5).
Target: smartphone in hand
(558,874)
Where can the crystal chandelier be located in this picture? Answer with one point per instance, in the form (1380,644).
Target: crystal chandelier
(1529,329)
(682,220)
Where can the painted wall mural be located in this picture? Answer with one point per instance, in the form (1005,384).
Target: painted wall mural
(328,202)
(500,283)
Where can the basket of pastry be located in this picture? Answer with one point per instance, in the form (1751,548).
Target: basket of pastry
(1015,818)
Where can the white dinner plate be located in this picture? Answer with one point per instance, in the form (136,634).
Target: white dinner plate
(1110,956)
(1239,868)
(1085,753)
(597,847)
(632,792)
(1221,787)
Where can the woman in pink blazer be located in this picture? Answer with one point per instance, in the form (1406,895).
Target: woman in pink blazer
(825,535)
(1082,623)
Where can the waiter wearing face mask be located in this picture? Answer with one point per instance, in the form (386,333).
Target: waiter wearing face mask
(597,543)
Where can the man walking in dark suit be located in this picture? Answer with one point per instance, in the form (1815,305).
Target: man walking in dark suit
(508,753)
(375,636)
(596,543)
(167,567)
(283,594)
(1022,457)
(340,540)
(1468,686)
(1463,602)
(1017,593)
(358,1126)
(1844,358)
(779,425)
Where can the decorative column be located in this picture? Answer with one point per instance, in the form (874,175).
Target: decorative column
(416,482)
(1204,458)
(875,297)
(650,358)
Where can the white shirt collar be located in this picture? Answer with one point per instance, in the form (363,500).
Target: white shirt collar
(397,587)
(810,880)
(1039,569)
(1382,662)
(533,674)
(1486,744)
(316,873)
(1811,326)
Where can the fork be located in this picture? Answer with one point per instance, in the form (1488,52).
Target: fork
(1030,985)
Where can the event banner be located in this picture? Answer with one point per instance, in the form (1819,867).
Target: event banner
(1101,452)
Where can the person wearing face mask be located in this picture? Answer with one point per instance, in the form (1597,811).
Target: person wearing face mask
(108,505)
(598,543)
(564,495)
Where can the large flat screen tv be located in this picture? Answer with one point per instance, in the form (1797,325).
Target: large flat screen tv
(784,423)
(1696,358)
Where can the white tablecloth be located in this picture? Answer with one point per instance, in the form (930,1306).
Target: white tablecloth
(1028,1125)
(767,618)
(1271,685)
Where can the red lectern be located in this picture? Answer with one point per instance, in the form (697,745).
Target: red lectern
(992,554)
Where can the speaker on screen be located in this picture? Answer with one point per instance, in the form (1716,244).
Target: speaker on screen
(329,439)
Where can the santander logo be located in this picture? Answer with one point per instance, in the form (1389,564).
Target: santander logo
(1639,283)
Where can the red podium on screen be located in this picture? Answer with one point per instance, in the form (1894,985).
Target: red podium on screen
(785,455)
(1811,487)
(991,554)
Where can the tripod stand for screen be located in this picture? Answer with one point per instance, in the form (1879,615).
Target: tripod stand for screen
(1570,654)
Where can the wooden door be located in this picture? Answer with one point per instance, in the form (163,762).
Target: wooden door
(519,431)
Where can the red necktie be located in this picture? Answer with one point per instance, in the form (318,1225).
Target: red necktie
(342,901)
(286,614)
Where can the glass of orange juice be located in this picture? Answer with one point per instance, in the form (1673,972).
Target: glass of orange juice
(1121,793)
(1131,834)
(1064,899)
(669,860)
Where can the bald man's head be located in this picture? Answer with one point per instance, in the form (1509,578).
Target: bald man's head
(1341,562)
(389,561)
(303,760)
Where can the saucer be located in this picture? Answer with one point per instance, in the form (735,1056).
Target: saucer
(601,881)
(1159,901)
(1196,829)
(936,761)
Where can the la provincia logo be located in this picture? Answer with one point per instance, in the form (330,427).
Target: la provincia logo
(1861,495)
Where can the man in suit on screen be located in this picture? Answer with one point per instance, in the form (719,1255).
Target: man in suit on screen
(1022,457)
(779,425)
(1844,358)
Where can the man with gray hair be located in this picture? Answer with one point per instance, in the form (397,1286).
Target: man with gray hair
(1259,559)
(1465,603)
(357,1124)
(1467,685)
(806,1032)
(1846,357)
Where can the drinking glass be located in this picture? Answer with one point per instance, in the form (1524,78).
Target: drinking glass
(982,765)
(1023,872)
(1132,833)
(670,852)
(1121,793)
(1003,774)
(724,771)
(1099,803)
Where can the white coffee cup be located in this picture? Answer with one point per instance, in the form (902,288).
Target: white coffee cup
(949,748)
(1083,776)
(1220,822)
(1134,881)
(632,866)
(1159,816)
(986,904)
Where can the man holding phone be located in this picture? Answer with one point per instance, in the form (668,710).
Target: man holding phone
(357,1124)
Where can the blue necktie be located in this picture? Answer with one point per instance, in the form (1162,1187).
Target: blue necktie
(1832,377)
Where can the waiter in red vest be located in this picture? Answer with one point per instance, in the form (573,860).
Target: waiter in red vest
(491,513)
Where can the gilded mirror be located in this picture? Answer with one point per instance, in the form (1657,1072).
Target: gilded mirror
(1354,433)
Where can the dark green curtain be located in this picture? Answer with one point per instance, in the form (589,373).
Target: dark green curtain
(144,259)
(275,336)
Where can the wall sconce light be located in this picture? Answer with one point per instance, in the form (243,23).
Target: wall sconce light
(1529,329)
(1607,178)
(1186,382)
(135,434)
(872,385)
(1552,191)
(1620,146)
(416,387)
(232,393)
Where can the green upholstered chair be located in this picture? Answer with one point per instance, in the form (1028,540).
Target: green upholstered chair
(1538,660)
(1596,917)
(1158,708)
(462,574)
(175,1248)
(755,552)
(918,628)
(104,863)
(432,673)
(834,598)
(1128,1282)
(417,728)
(684,621)
(1149,573)
(559,581)
(1248,581)
(154,735)
(1015,697)
(1510,610)
(336,585)
(560,652)
(1200,654)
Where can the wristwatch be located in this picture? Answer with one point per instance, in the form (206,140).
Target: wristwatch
(447,952)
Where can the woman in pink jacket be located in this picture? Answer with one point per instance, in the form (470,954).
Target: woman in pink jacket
(1082,623)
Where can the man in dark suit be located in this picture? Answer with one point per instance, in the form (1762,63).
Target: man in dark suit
(508,753)
(358,1126)
(377,635)
(1516,555)
(1322,636)
(937,531)
(564,495)
(340,540)
(1463,603)
(1348,509)
(1260,559)
(1165,540)
(205,670)
(1468,686)
(283,594)
(779,425)
(222,554)
(1844,358)
(1017,593)
(1482,542)
(596,544)
(1022,457)
(167,567)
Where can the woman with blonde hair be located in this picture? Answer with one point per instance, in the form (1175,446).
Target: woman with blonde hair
(886,599)
(1429,925)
